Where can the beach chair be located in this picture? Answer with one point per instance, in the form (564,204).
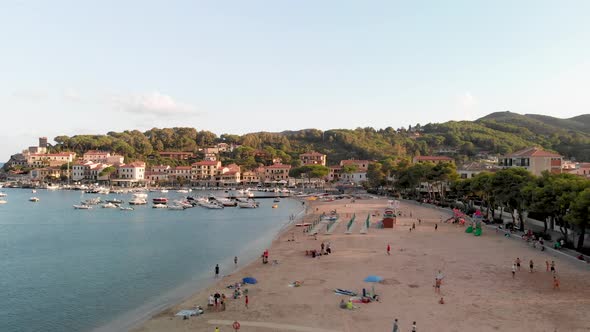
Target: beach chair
(350,224)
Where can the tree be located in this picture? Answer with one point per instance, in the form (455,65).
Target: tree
(580,215)
(310,171)
(349,169)
(375,175)
(508,185)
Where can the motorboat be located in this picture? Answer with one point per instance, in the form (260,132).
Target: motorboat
(138,201)
(34,199)
(114,201)
(184,204)
(52,187)
(82,207)
(163,191)
(160,200)
(226,201)
(140,195)
(110,206)
(3,201)
(92,201)
(160,206)
(248,205)
(3,194)
(123,208)
(34,191)
(277,200)
(182,191)
(274,206)
(214,206)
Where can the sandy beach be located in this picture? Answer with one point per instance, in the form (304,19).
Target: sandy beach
(478,288)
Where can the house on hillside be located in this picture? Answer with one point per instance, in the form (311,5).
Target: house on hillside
(534,159)
(313,158)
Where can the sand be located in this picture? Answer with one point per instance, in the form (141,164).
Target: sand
(478,287)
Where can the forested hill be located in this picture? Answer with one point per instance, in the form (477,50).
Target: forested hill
(497,133)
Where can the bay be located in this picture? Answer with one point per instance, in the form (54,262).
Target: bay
(76,270)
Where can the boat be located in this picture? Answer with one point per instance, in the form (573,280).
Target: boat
(114,201)
(248,205)
(3,194)
(214,206)
(176,207)
(249,194)
(163,191)
(277,200)
(182,191)
(137,201)
(52,187)
(3,201)
(110,206)
(226,201)
(184,204)
(34,191)
(160,206)
(274,206)
(34,199)
(92,201)
(82,207)
(123,208)
(140,195)
(160,200)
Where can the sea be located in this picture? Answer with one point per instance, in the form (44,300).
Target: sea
(63,269)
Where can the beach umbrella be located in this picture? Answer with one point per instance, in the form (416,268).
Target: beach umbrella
(249,280)
(373,279)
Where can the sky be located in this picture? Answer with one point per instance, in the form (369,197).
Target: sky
(90,67)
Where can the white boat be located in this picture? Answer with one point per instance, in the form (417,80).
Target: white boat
(34,191)
(176,207)
(249,194)
(248,205)
(92,201)
(138,201)
(226,201)
(163,191)
(140,195)
(160,206)
(82,207)
(110,206)
(3,201)
(213,206)
(3,194)
(182,191)
(122,208)
(52,187)
(34,199)
(184,204)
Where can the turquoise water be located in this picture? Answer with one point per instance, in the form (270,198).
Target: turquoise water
(75,270)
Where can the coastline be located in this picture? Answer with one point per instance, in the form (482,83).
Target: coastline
(133,319)
(476,283)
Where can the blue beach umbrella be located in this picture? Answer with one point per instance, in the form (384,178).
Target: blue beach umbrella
(373,279)
(249,280)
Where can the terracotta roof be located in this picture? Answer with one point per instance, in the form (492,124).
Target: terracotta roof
(433,158)
(279,166)
(182,167)
(206,163)
(533,152)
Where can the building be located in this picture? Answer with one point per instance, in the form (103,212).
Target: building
(250,177)
(313,158)
(103,157)
(210,157)
(205,170)
(81,170)
(533,159)
(45,173)
(356,177)
(180,172)
(49,159)
(470,170)
(580,169)
(177,155)
(276,172)
(432,159)
(334,173)
(361,165)
(129,174)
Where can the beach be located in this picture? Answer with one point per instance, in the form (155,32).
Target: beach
(478,288)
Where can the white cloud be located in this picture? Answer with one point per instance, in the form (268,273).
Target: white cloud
(154,103)
(467,101)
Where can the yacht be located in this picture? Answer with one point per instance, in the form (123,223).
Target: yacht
(160,206)
(249,204)
(3,201)
(3,194)
(110,206)
(226,201)
(211,205)
(160,200)
(138,201)
(140,195)
(34,199)
(114,201)
(163,191)
(82,207)
(52,187)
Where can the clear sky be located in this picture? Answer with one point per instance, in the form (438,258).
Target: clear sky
(72,67)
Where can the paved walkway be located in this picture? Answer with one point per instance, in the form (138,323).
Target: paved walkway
(280,327)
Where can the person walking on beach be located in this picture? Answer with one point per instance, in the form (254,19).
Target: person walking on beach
(388,249)
(247,300)
(553,267)
(216,329)
(236,260)
(322,247)
(518,263)
(531,266)
(395,327)
(513,270)
(216,270)
(413,225)
(555,283)
(435,227)
(414,327)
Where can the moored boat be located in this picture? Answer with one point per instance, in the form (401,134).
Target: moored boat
(3,194)
(138,201)
(123,208)
(213,206)
(109,206)
(160,200)
(159,206)
(3,201)
(34,199)
(82,207)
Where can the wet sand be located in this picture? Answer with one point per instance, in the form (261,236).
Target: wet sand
(478,289)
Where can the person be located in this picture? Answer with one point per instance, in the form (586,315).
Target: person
(513,270)
(395,327)
(555,283)
(322,247)
(222,305)
(342,304)
(211,301)
(328,249)
(553,267)
(216,270)
(419,221)
(349,305)
(438,281)
(413,225)
(216,329)
(388,249)
(236,260)
(435,227)
(414,327)
(247,300)
(217,298)
(518,263)
(531,265)
(441,301)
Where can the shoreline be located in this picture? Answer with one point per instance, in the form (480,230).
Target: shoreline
(478,287)
(133,319)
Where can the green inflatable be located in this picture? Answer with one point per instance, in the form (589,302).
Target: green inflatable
(477,231)
(469,229)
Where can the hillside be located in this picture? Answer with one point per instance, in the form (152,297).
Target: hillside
(496,133)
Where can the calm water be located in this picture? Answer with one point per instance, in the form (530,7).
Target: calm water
(74,270)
